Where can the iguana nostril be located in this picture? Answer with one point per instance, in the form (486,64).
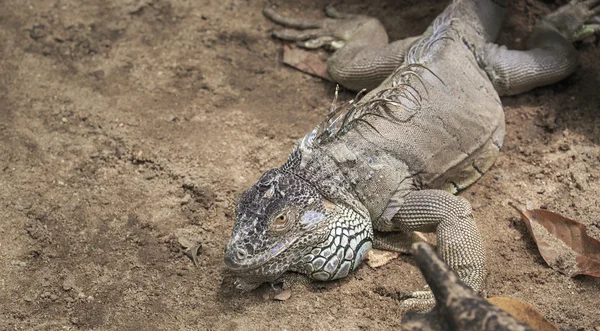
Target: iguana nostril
(241,253)
(235,256)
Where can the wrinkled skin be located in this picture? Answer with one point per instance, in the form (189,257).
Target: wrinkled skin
(284,224)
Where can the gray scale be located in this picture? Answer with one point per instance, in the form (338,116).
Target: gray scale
(344,241)
(318,263)
(326,252)
(353,243)
(340,253)
(362,251)
(332,264)
(316,251)
(344,270)
(336,241)
(349,254)
(321,275)
(308,258)
(308,268)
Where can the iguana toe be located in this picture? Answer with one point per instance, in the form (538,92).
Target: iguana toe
(330,11)
(289,22)
(333,32)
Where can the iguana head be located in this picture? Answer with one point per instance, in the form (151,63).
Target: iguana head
(284,224)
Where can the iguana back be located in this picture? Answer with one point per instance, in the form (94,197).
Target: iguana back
(436,122)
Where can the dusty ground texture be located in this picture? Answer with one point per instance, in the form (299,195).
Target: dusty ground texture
(128,128)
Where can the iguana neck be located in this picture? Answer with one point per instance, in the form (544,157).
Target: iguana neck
(350,171)
(316,166)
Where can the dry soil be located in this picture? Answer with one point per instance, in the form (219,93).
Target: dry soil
(129,127)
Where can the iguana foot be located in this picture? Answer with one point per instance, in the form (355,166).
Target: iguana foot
(576,20)
(333,32)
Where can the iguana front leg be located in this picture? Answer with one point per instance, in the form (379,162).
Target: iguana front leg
(363,57)
(549,57)
(458,240)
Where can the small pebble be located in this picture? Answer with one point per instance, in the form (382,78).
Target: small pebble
(98,74)
(186,199)
(283,295)
(564,147)
(68,285)
(38,31)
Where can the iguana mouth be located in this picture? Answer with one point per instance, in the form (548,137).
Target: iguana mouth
(257,262)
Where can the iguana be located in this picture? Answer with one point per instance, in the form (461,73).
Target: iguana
(390,163)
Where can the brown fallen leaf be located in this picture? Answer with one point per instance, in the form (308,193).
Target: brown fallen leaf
(283,295)
(563,243)
(310,62)
(377,258)
(523,312)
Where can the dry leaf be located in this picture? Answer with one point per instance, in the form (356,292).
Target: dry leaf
(523,312)
(283,295)
(377,258)
(563,243)
(311,63)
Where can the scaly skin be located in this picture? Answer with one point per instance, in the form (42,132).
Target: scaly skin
(391,161)
(457,306)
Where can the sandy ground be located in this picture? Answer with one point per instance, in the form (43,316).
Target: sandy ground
(128,128)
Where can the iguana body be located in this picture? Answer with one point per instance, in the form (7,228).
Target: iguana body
(390,163)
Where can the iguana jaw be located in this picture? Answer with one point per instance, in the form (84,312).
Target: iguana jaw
(271,264)
(260,260)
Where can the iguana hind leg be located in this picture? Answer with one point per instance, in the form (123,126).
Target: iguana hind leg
(363,57)
(549,57)
(458,240)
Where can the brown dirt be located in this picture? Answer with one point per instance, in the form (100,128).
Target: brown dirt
(128,128)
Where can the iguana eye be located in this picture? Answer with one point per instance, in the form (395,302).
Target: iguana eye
(281,222)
